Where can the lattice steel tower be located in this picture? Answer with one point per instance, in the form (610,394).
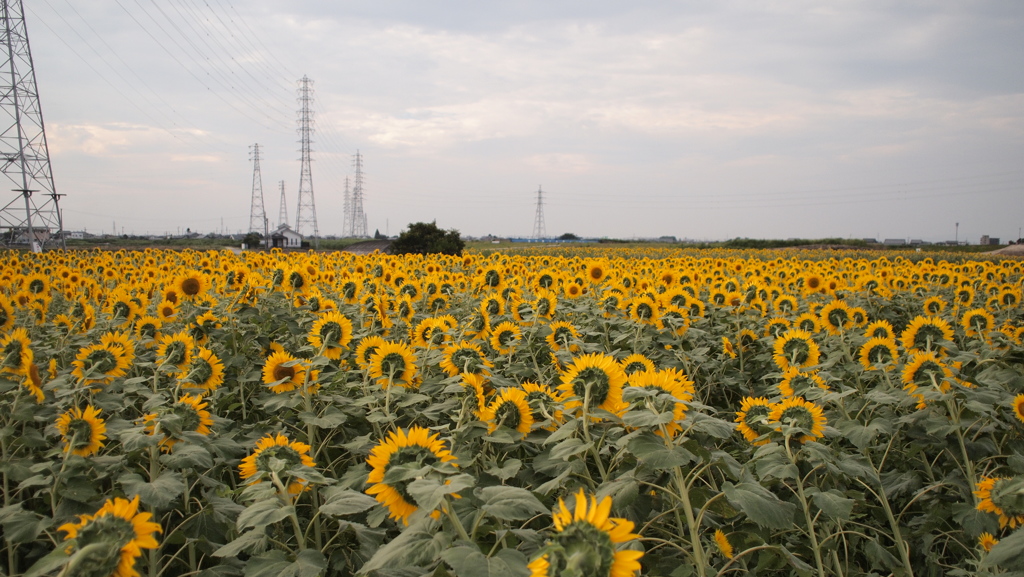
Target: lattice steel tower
(347,213)
(257,214)
(538,220)
(24,156)
(282,215)
(305,218)
(358,217)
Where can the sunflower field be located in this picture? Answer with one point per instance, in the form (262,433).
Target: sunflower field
(600,412)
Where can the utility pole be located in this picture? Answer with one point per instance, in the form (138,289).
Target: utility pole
(257,214)
(305,219)
(539,231)
(358,216)
(24,155)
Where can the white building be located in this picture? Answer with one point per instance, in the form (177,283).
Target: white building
(284,237)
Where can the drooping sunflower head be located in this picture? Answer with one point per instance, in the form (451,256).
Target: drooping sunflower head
(1004,497)
(205,372)
(1018,407)
(797,383)
(595,380)
(176,350)
(751,419)
(100,363)
(776,326)
(545,402)
(805,419)
(430,333)
(505,337)
(722,542)
(464,357)
(187,415)
(393,364)
(112,538)
(665,391)
(563,336)
(796,348)
(925,369)
(588,542)
(410,450)
(366,348)
(880,329)
(636,362)
(835,316)
(83,431)
(510,408)
(925,333)
(332,332)
(16,350)
(147,330)
(276,454)
(877,353)
(977,322)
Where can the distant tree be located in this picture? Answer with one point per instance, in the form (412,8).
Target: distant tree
(377,235)
(426,238)
(568,236)
(252,240)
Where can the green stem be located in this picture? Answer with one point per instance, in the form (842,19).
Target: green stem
(691,521)
(807,513)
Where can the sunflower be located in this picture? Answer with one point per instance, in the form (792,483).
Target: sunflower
(430,333)
(176,350)
(776,326)
(364,352)
(836,318)
(595,379)
(505,337)
(785,304)
(34,383)
(586,542)
(644,309)
(476,383)
(751,419)
(1018,407)
(283,372)
(880,329)
(924,333)
(464,357)
(332,332)
(83,431)
(933,305)
(1001,496)
(563,335)
(510,408)
(805,417)
(203,325)
(667,390)
(147,330)
(636,362)
(987,541)
(545,402)
(166,310)
(796,348)
(16,351)
(597,272)
(977,322)
(101,363)
(573,290)
(275,455)
(6,313)
(411,449)
(723,544)
(796,382)
(727,348)
(205,371)
(877,353)
(920,371)
(187,415)
(808,322)
(120,533)
(393,364)
(191,286)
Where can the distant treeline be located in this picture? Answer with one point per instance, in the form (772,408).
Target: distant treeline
(755,243)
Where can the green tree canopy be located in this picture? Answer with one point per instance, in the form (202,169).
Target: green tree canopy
(426,238)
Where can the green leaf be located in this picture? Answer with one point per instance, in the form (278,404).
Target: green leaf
(1008,553)
(270,564)
(506,470)
(343,501)
(569,448)
(510,503)
(470,562)
(833,504)
(564,432)
(710,425)
(651,451)
(308,563)
(157,494)
(760,504)
(21,526)
(263,513)
(187,456)
(428,493)
(242,543)
(47,564)
(421,543)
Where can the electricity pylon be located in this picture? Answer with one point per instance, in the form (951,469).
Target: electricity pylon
(538,220)
(358,217)
(257,214)
(346,219)
(24,155)
(282,215)
(305,219)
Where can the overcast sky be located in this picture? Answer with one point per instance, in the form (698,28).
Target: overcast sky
(705,120)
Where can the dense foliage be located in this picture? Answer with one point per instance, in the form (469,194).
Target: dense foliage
(698,413)
(427,238)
